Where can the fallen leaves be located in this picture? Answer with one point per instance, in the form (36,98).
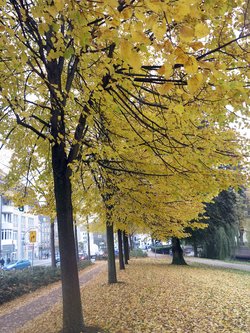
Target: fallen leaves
(154,296)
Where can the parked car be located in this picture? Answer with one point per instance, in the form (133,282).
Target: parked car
(83,256)
(18,265)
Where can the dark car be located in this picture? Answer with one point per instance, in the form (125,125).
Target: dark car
(18,265)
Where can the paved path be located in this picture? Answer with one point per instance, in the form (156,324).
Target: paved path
(19,316)
(210,262)
(219,263)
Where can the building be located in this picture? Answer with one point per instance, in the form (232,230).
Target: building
(17,224)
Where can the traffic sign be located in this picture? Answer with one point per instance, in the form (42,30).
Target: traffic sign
(32,236)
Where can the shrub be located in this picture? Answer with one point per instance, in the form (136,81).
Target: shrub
(138,253)
(16,283)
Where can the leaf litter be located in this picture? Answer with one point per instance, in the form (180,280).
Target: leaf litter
(154,296)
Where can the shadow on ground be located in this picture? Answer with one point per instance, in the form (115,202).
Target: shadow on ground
(93,329)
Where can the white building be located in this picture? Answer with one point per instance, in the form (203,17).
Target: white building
(15,227)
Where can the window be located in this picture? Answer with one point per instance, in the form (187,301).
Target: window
(6,217)
(14,235)
(7,202)
(23,222)
(15,220)
(6,234)
(30,222)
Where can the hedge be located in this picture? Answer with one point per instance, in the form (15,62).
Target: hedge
(16,283)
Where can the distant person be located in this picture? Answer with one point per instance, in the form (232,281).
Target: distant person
(2,262)
(8,261)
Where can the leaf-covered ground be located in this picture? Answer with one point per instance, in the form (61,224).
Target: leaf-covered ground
(153,296)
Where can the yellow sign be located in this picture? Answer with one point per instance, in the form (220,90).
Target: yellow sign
(32,236)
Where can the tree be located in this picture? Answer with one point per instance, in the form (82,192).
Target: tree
(218,240)
(64,61)
(120,247)
(177,252)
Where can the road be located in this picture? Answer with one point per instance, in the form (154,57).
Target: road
(42,262)
(210,262)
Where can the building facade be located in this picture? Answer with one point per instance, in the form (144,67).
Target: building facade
(16,226)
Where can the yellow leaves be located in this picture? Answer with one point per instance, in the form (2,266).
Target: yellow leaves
(159,30)
(145,294)
(59,4)
(165,88)
(186,33)
(108,34)
(54,54)
(195,82)
(181,9)
(129,55)
(154,5)
(201,30)
(191,66)
(181,56)
(43,27)
(179,109)
(166,70)
(138,36)
(126,13)
(196,46)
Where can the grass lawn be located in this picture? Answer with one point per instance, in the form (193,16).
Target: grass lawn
(153,296)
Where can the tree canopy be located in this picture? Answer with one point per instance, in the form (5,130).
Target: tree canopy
(148,89)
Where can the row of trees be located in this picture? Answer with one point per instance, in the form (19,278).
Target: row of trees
(123,109)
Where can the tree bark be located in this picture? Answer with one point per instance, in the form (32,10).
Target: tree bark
(178,258)
(52,243)
(131,242)
(126,248)
(72,309)
(195,248)
(121,261)
(111,254)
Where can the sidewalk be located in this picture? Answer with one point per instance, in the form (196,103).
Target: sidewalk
(211,262)
(18,315)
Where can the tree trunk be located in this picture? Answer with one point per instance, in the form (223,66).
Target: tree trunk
(195,248)
(72,309)
(178,258)
(52,243)
(131,242)
(126,248)
(111,254)
(121,261)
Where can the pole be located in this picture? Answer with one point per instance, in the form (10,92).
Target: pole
(0,225)
(88,237)
(33,254)
(76,241)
